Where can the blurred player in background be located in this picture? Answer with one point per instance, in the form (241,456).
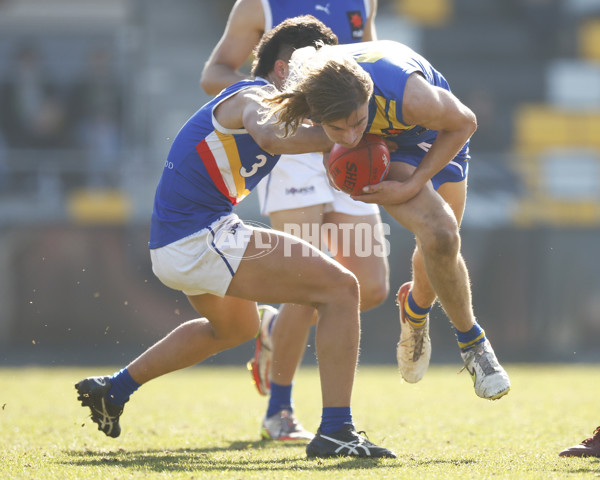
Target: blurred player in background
(297,193)
(590,447)
(199,246)
(385,88)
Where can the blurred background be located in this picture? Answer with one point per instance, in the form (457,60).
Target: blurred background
(92,94)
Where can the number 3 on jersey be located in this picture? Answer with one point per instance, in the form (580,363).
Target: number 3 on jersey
(262,160)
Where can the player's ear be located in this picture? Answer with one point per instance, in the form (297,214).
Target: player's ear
(281,69)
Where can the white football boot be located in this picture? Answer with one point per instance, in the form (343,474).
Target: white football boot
(260,364)
(489,378)
(414,348)
(284,426)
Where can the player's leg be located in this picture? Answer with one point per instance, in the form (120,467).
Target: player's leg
(434,224)
(290,332)
(195,340)
(432,221)
(284,274)
(358,242)
(286,335)
(416,297)
(289,275)
(436,228)
(274,268)
(295,273)
(423,294)
(188,344)
(490,379)
(293,196)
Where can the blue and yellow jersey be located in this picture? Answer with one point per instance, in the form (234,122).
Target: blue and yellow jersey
(209,169)
(347,18)
(389,65)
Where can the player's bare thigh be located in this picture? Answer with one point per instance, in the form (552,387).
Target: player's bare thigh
(367,259)
(358,242)
(280,268)
(455,194)
(425,209)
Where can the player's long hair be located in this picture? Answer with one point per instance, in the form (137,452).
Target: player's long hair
(325,87)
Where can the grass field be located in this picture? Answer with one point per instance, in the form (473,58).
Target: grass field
(203,423)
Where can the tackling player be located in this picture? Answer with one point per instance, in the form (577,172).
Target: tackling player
(199,246)
(296,194)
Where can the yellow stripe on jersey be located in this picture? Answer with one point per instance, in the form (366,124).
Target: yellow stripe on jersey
(235,164)
(385,121)
(217,148)
(369,57)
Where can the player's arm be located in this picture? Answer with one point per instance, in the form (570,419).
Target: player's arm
(243,110)
(243,31)
(435,109)
(370,34)
(269,135)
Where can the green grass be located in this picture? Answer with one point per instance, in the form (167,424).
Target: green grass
(203,423)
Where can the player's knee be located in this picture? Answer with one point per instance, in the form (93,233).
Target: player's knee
(235,333)
(336,287)
(373,293)
(345,285)
(443,240)
(233,338)
(249,330)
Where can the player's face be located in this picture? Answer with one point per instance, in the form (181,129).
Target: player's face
(348,131)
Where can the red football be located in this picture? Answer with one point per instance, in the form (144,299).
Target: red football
(350,169)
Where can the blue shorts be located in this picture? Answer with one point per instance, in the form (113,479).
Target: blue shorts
(456,171)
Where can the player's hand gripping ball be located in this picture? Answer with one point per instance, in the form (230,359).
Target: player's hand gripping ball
(350,169)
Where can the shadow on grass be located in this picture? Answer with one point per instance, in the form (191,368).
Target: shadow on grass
(238,456)
(594,466)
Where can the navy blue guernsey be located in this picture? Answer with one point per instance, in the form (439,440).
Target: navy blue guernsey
(347,18)
(209,169)
(389,64)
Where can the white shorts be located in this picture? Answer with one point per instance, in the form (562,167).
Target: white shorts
(301,181)
(206,261)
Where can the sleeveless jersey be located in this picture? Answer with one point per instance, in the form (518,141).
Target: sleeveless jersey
(346,18)
(209,169)
(389,65)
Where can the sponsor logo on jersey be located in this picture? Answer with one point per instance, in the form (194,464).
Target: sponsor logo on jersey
(357,24)
(300,191)
(323,8)
(393,131)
